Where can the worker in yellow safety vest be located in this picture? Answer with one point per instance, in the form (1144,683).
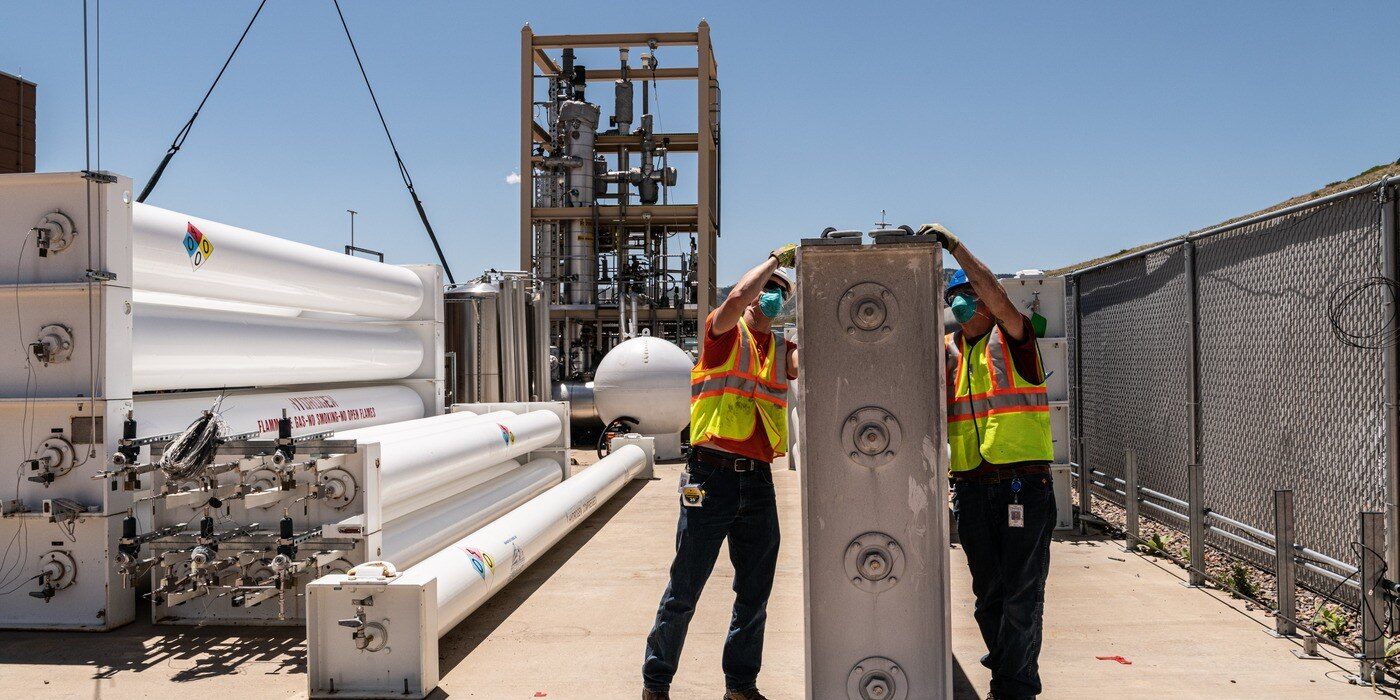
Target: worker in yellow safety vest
(738,425)
(999,438)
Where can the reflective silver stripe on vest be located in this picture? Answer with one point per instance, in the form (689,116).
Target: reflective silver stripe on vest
(777,390)
(965,405)
(719,382)
(1001,397)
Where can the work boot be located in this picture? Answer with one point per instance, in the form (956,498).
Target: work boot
(654,695)
(744,695)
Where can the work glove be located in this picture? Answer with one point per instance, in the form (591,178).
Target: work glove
(786,255)
(945,237)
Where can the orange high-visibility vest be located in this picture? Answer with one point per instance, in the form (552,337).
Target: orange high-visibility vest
(725,398)
(994,413)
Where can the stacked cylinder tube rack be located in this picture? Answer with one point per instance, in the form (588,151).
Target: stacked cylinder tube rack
(123,313)
(395,491)
(373,632)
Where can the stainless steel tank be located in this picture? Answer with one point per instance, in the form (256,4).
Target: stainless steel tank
(515,360)
(473,335)
(583,411)
(582,248)
(541,379)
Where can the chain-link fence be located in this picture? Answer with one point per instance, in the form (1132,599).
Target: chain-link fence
(1286,399)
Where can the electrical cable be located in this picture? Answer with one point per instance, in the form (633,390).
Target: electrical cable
(21,536)
(619,426)
(87,102)
(20,584)
(88,129)
(97,69)
(185,130)
(1358,548)
(403,169)
(1348,295)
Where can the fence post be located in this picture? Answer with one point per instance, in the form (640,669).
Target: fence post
(1085,478)
(1391,359)
(1130,500)
(1284,565)
(1196,511)
(1373,597)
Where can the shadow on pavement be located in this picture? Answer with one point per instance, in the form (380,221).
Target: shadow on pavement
(462,640)
(192,653)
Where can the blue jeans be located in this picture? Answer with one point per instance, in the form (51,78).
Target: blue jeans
(741,507)
(1009,566)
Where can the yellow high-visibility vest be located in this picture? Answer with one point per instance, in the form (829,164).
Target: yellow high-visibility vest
(994,414)
(725,398)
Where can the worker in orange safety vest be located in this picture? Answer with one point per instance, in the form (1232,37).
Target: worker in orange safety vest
(738,425)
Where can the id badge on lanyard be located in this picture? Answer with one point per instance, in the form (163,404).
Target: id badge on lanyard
(1015,512)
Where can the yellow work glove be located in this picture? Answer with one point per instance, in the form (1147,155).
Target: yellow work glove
(945,237)
(786,255)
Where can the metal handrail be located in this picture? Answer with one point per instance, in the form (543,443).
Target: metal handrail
(1143,489)
(1164,497)
(1242,540)
(1305,556)
(1266,536)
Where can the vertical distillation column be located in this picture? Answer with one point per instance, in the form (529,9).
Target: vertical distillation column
(579,122)
(875,488)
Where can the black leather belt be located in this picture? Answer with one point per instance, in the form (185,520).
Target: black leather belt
(725,460)
(1006,474)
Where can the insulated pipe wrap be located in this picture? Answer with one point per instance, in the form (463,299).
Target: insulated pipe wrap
(183,348)
(245,266)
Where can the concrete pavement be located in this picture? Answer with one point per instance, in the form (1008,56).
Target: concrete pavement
(573,626)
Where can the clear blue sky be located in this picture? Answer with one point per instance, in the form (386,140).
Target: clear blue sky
(1044,133)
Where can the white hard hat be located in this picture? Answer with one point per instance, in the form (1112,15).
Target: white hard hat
(783,278)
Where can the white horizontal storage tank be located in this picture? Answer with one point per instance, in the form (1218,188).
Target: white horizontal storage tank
(416,607)
(310,410)
(647,379)
(417,535)
(429,424)
(140,296)
(176,253)
(422,467)
(184,348)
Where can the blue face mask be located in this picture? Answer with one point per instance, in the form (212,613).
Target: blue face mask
(770,303)
(964,307)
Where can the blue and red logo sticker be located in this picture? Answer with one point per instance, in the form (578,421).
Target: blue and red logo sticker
(481,561)
(197,245)
(506,434)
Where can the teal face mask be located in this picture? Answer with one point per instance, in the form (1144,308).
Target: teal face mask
(964,307)
(770,303)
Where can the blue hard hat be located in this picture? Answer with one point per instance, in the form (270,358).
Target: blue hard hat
(959,279)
